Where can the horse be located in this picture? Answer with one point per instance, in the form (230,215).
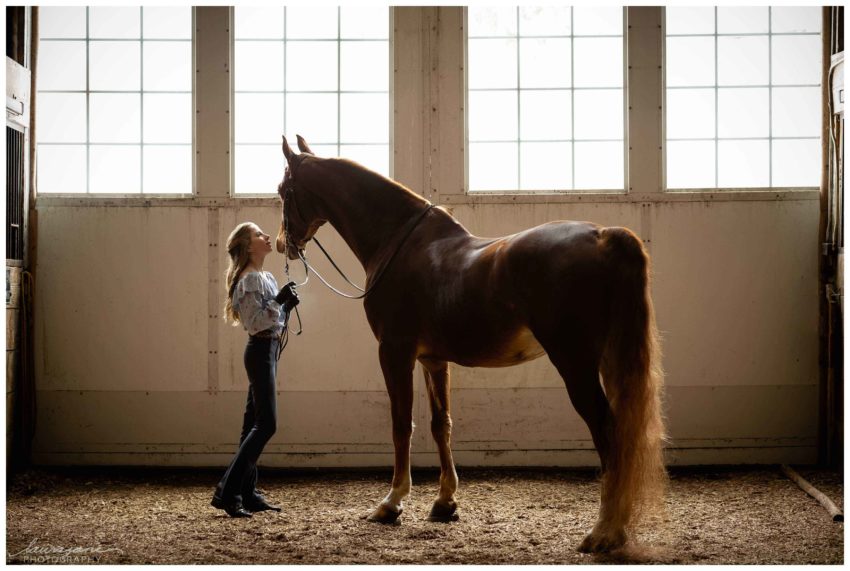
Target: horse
(574,291)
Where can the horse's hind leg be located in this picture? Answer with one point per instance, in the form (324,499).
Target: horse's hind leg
(439,388)
(397,366)
(581,375)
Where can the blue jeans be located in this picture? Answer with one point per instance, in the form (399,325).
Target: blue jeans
(258,424)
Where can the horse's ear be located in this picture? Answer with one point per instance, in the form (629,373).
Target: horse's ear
(287,152)
(303,146)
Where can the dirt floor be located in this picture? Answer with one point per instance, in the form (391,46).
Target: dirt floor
(133,515)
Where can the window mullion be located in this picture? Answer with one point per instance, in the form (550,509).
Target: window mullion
(518,106)
(572,101)
(769,97)
(285,106)
(141,100)
(88,107)
(716,108)
(338,79)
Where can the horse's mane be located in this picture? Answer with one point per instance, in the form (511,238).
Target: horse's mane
(365,176)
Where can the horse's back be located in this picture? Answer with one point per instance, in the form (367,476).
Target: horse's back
(489,298)
(485,301)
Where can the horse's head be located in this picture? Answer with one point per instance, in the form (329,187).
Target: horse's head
(299,221)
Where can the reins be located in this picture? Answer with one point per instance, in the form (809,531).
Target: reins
(283,339)
(411,226)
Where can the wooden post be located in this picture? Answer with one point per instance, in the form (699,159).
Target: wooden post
(814,492)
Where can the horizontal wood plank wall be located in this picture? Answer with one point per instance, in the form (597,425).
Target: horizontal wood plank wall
(134,367)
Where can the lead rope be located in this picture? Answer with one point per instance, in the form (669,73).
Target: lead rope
(283,340)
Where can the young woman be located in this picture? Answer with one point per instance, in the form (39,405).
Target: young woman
(254,300)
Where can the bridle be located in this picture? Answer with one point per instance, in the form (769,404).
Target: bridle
(407,231)
(289,201)
(289,198)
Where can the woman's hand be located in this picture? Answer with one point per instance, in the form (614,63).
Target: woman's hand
(290,304)
(287,297)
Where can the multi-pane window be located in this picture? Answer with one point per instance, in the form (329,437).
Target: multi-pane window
(545,98)
(320,72)
(743,97)
(115,100)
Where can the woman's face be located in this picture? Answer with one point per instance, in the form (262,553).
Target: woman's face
(260,241)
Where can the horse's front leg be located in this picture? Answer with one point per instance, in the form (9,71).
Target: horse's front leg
(397,366)
(437,380)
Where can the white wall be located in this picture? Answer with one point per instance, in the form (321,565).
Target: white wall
(135,366)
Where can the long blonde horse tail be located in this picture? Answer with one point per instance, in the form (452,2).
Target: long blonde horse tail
(635,480)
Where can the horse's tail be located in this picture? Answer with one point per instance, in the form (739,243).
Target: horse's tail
(634,479)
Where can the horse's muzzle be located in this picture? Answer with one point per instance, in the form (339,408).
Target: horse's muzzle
(294,252)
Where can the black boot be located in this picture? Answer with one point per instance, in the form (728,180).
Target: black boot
(233,508)
(257,503)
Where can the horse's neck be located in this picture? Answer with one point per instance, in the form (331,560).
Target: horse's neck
(368,219)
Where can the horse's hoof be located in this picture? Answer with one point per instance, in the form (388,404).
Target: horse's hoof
(443,513)
(385,514)
(588,544)
(601,543)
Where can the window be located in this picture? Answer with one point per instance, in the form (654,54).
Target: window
(115,100)
(322,73)
(743,97)
(545,98)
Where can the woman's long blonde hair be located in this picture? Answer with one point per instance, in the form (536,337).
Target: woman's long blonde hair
(237,248)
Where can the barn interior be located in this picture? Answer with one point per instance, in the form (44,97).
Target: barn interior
(138,137)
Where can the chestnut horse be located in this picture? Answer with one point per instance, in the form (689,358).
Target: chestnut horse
(575,291)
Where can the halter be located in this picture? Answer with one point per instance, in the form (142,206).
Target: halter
(289,197)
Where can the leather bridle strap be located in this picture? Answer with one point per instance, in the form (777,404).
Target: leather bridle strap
(407,231)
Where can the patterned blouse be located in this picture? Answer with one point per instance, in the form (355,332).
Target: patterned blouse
(253,301)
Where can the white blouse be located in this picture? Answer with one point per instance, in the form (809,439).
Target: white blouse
(253,301)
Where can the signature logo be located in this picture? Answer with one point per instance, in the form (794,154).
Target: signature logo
(49,553)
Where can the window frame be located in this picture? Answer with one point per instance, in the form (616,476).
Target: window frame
(427,146)
(338,92)
(645,110)
(716,87)
(572,141)
(77,197)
